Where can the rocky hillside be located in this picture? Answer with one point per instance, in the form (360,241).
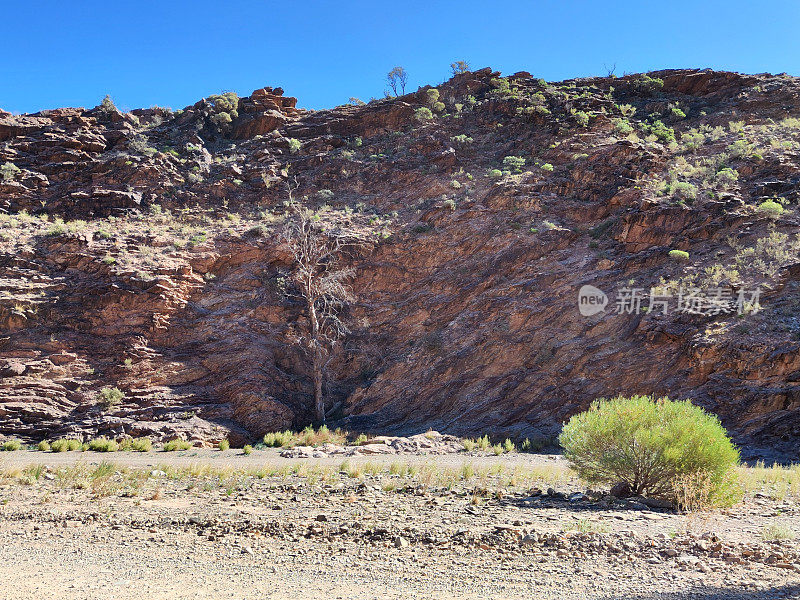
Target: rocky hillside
(142,251)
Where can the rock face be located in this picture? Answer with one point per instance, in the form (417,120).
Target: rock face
(141,251)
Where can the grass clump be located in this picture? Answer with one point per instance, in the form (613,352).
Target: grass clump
(177,444)
(224,445)
(142,444)
(43,446)
(651,445)
(279,439)
(103,444)
(247,450)
(66,445)
(774,532)
(11,445)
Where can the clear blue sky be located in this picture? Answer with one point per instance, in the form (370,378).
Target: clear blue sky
(173,53)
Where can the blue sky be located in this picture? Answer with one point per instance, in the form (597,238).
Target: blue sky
(173,53)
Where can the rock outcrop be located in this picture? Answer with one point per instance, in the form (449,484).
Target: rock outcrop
(141,251)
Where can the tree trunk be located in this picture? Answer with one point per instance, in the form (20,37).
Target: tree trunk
(319,401)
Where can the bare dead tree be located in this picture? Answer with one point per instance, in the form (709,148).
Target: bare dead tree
(322,285)
(397,79)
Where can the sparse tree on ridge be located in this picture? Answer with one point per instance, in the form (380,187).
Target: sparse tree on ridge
(397,78)
(460,66)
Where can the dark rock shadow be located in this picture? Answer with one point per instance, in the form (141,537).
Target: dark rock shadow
(708,593)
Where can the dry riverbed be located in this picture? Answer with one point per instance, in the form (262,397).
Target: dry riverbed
(210,524)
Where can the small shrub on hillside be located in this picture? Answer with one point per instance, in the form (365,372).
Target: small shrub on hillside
(294,145)
(771,208)
(494,173)
(514,163)
(622,127)
(682,190)
(43,446)
(726,177)
(650,445)
(107,105)
(645,85)
(678,255)
(111,397)
(581,117)
(9,171)
(224,445)
(247,449)
(11,445)
(660,131)
(423,113)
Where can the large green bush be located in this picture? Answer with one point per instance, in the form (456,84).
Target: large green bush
(654,446)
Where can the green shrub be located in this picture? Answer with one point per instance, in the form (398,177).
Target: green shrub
(177,444)
(43,446)
(741,149)
(494,173)
(581,117)
(679,255)
(622,127)
(651,445)
(111,397)
(107,105)
(103,444)
(771,208)
(547,167)
(294,145)
(726,176)
(645,85)
(248,449)
(11,445)
(514,163)
(509,446)
(9,171)
(431,96)
(65,445)
(461,139)
(279,439)
(423,113)
(142,444)
(224,445)
(682,190)
(662,132)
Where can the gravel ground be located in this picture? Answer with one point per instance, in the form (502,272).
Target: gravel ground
(152,531)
